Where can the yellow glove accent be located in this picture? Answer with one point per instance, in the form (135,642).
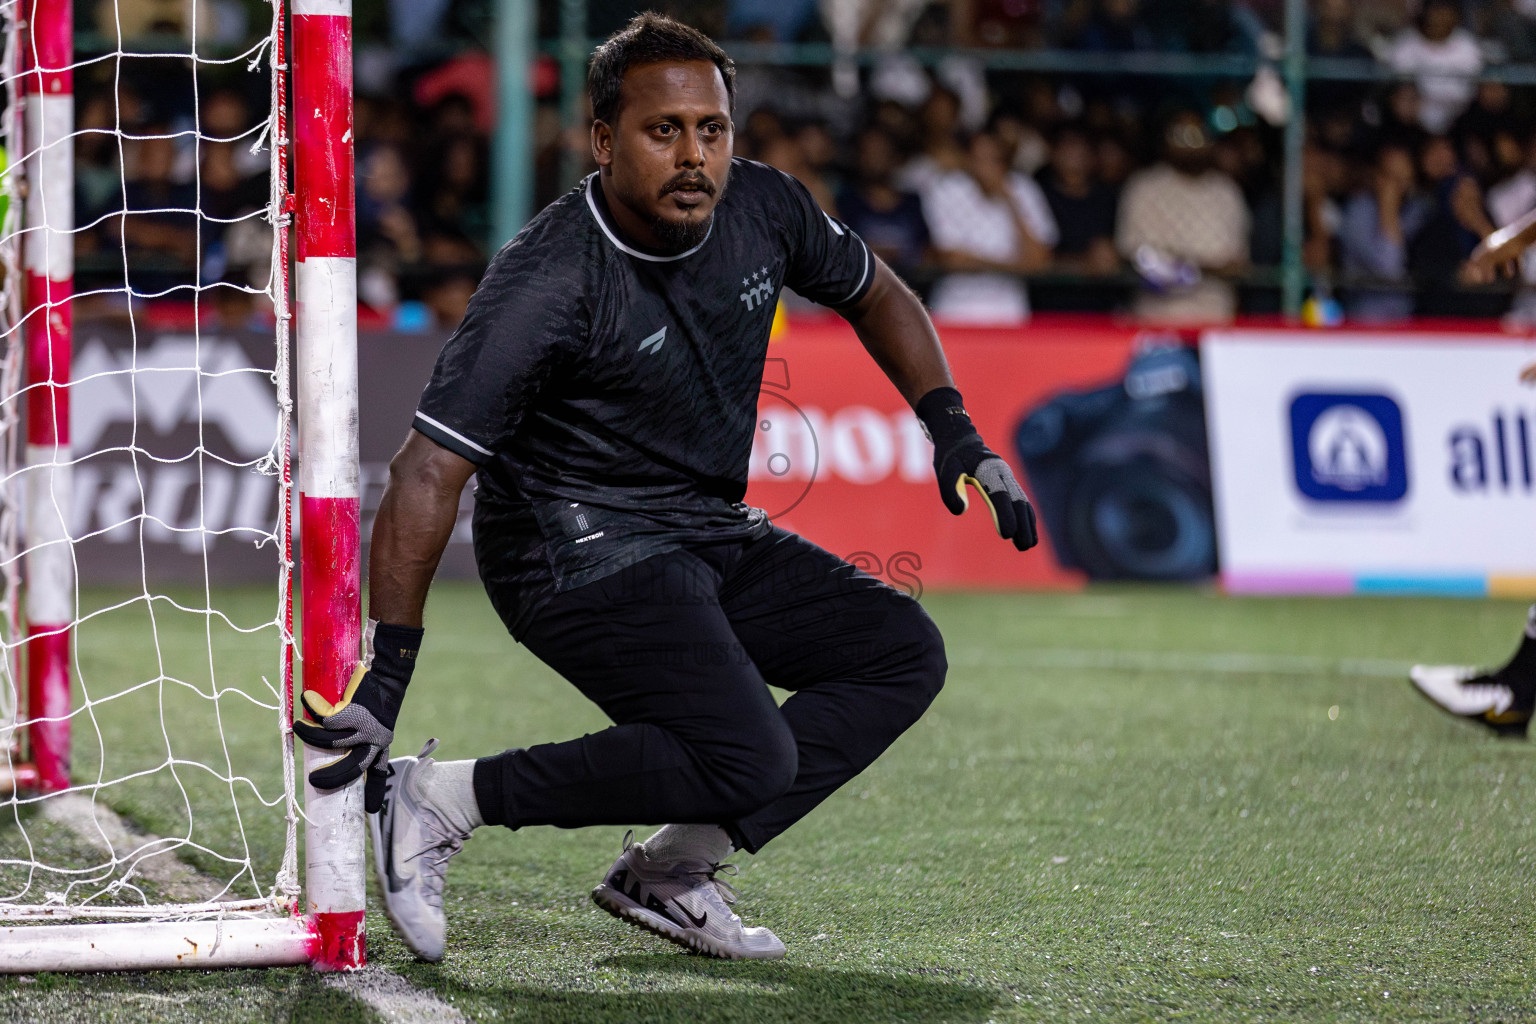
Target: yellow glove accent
(318,707)
(965,498)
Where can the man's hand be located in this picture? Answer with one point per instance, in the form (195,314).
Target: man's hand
(961,458)
(362,723)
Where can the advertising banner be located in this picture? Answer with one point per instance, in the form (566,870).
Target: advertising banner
(838,455)
(176,455)
(1372,463)
(841,459)
(172,436)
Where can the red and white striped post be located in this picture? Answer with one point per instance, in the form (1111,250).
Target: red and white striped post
(329,539)
(49,259)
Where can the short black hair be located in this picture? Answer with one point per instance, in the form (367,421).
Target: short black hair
(650,38)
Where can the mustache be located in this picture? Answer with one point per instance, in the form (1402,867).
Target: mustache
(698,181)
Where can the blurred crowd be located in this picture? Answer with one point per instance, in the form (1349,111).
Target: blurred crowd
(191,168)
(994,192)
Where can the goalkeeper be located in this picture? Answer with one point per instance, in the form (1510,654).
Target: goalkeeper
(603,390)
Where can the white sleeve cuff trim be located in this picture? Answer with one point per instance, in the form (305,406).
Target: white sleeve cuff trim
(453,433)
(862,275)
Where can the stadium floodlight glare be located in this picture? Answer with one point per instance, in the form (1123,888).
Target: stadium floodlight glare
(97,901)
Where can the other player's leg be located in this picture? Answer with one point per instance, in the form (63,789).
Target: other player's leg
(1501,699)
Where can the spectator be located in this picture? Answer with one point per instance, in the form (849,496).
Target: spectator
(819,150)
(1184,211)
(762,128)
(1457,221)
(1394,121)
(1082,206)
(989,224)
(1026,148)
(1113,159)
(1116,26)
(941,153)
(159,226)
(888,219)
(773,21)
(226,116)
(227,199)
(459,185)
(447,295)
(1492,111)
(384,218)
(1378,223)
(1331,32)
(1508,201)
(1445,60)
(1209,26)
(1512,23)
(98,178)
(786,154)
(1323,179)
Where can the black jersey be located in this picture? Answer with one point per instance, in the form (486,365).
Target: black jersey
(609,394)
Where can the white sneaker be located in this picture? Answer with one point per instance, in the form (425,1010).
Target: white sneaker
(1473,693)
(412,844)
(684,902)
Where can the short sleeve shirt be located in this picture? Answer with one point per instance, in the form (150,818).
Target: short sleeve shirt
(608,394)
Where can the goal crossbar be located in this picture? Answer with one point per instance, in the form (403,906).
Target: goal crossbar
(161,945)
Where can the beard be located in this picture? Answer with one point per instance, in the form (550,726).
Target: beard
(678,236)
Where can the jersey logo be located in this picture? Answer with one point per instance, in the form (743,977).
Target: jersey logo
(652,344)
(757,294)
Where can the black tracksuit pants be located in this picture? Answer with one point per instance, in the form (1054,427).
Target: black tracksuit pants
(679,651)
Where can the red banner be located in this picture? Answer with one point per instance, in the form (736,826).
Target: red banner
(840,459)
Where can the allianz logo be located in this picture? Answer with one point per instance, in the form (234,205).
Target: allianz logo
(1348,449)
(1496,455)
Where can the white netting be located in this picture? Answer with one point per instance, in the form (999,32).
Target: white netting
(174,495)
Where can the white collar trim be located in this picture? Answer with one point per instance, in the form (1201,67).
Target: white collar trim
(592,183)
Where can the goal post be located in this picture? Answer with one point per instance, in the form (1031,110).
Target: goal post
(95,900)
(330,562)
(48,258)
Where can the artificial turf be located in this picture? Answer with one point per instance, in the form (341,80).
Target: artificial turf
(1128,804)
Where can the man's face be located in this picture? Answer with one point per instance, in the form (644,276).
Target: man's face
(1186,145)
(665,162)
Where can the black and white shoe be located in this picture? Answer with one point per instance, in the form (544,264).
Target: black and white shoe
(684,902)
(1497,699)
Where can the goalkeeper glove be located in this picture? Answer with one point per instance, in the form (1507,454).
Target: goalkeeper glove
(362,723)
(960,457)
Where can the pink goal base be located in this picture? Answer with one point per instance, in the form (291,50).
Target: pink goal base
(146,946)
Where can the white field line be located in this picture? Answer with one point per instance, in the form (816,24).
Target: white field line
(391,996)
(1178,661)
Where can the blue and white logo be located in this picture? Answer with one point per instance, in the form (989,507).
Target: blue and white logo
(1349,447)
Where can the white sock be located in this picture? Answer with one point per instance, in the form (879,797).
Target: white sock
(449,786)
(672,843)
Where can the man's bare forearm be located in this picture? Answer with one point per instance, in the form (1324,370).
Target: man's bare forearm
(414,522)
(895,329)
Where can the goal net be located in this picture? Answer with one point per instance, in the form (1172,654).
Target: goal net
(152,809)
